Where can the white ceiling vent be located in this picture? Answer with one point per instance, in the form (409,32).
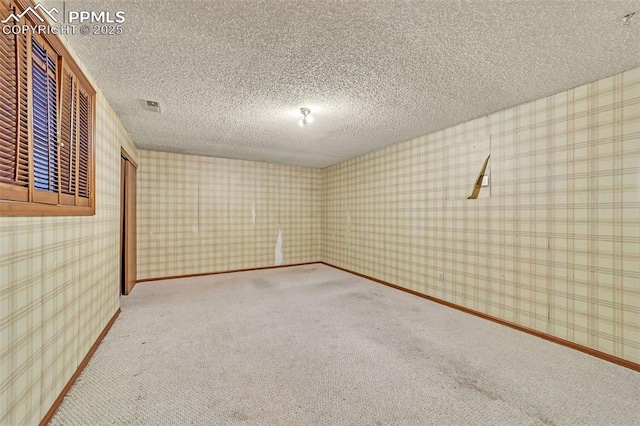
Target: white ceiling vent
(153,106)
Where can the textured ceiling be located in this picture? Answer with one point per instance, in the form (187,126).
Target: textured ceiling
(231,75)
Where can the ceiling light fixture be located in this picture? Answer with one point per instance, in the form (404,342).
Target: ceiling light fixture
(307,118)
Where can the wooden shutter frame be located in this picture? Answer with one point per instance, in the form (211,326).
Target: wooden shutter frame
(17,192)
(67,198)
(82,200)
(9,204)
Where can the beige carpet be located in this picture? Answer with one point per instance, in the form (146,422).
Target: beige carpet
(314,345)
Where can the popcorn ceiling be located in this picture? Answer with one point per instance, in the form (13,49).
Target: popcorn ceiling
(231,76)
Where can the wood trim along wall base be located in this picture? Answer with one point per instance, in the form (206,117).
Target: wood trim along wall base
(81,367)
(173,277)
(550,338)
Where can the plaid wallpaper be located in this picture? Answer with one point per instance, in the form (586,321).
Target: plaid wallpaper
(201,214)
(59,286)
(552,244)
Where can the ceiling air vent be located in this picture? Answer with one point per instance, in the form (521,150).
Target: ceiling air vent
(153,106)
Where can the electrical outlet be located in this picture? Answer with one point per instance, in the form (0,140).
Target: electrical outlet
(440,276)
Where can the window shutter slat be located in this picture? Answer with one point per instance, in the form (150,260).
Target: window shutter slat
(23,100)
(8,105)
(67,135)
(52,114)
(84,136)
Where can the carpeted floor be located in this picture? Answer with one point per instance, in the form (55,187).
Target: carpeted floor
(314,345)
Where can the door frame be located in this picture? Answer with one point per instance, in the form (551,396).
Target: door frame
(127,227)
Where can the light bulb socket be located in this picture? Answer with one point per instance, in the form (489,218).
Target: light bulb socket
(306,116)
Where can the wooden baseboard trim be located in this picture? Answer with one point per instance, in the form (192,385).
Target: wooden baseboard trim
(548,337)
(173,277)
(81,367)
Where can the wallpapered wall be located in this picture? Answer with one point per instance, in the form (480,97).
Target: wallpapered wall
(200,214)
(553,244)
(59,286)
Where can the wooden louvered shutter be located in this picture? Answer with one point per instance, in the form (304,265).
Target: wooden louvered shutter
(68,145)
(44,122)
(46,125)
(84,150)
(74,150)
(14,125)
